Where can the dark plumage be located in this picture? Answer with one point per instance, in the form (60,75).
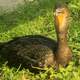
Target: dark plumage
(30,51)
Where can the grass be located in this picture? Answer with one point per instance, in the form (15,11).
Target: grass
(37,18)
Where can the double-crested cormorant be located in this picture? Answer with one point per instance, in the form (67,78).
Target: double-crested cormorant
(39,51)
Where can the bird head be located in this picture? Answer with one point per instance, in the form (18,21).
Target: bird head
(61,18)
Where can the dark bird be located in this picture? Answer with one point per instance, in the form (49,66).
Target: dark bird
(40,51)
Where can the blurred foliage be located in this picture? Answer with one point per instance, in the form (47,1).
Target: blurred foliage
(75,8)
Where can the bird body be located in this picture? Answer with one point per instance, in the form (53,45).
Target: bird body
(30,51)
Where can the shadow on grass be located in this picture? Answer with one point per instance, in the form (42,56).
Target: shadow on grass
(25,13)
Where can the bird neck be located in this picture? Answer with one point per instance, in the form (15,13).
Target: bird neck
(62,39)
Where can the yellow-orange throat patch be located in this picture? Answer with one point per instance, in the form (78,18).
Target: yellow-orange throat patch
(59,20)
